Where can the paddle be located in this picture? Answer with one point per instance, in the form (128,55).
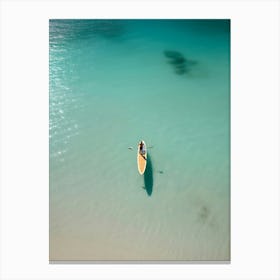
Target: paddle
(143,157)
(131,148)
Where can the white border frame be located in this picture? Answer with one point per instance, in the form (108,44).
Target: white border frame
(254,138)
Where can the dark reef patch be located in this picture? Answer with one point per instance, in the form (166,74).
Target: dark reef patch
(180,64)
(203,214)
(173,54)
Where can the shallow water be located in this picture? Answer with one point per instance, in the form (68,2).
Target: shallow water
(112,85)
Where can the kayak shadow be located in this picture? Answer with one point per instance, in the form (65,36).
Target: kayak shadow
(148,176)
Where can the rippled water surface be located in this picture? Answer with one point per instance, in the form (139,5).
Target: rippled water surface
(113,83)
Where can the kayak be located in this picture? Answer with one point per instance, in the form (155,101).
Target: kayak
(142,158)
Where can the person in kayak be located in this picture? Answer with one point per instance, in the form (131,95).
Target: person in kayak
(142,149)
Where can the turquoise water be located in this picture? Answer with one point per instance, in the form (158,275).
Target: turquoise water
(112,84)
